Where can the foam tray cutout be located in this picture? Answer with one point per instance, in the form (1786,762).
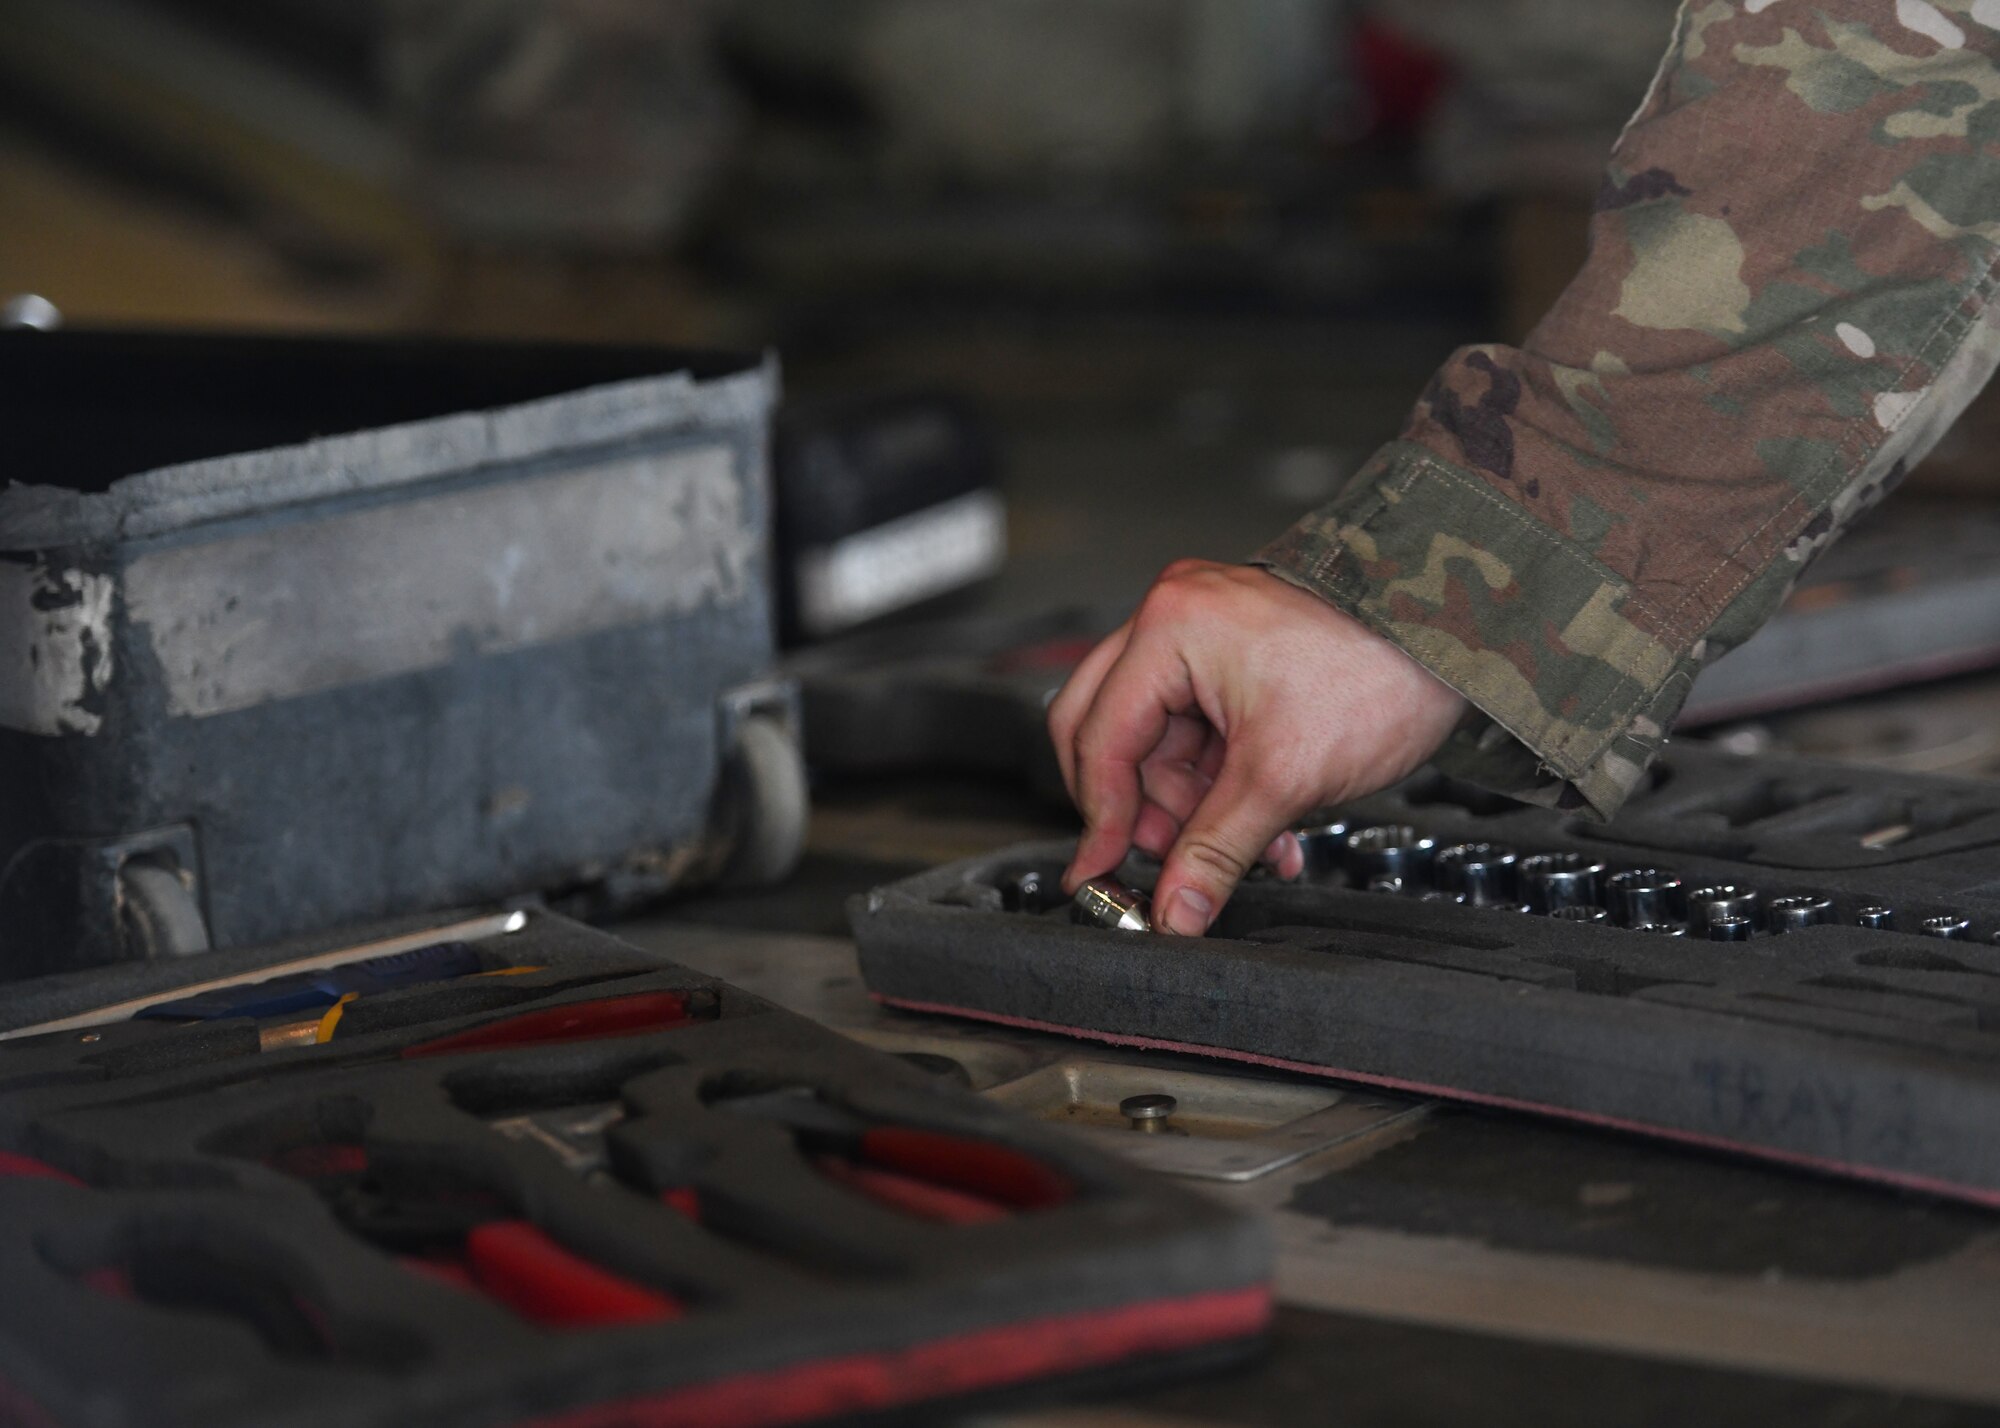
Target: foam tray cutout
(1860,1051)
(726,1203)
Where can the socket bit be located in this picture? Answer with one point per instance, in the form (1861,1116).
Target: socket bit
(1802,910)
(1875,915)
(1638,896)
(1024,892)
(1663,929)
(1730,929)
(1325,848)
(1148,1113)
(1553,880)
(1388,850)
(1722,900)
(1101,902)
(1478,874)
(1950,926)
(1580,912)
(1386,884)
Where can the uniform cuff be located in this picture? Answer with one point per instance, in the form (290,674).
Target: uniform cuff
(1535,631)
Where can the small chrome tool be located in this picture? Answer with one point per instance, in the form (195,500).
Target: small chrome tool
(1718,901)
(1478,874)
(1875,915)
(1663,929)
(1730,929)
(1553,880)
(1637,896)
(1949,926)
(1800,911)
(1580,912)
(1324,846)
(1148,1113)
(1389,850)
(1024,892)
(1104,902)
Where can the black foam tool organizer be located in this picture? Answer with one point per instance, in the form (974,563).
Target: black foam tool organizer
(1868,1051)
(679,1204)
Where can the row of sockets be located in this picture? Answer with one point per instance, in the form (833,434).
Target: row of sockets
(1397,858)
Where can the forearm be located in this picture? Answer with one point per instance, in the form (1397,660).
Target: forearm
(1786,302)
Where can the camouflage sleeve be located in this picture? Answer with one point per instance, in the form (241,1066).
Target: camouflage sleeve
(1787,301)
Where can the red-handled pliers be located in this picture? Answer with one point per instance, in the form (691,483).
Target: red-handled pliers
(934,1175)
(633,1014)
(469,1238)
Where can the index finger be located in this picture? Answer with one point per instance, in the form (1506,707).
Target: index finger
(1131,714)
(1073,700)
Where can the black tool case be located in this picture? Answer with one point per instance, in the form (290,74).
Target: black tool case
(296,632)
(1871,1051)
(196,1232)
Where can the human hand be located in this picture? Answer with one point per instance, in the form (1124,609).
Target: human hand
(1228,706)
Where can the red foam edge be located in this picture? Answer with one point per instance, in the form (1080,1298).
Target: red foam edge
(1851,1170)
(942,1368)
(26,1167)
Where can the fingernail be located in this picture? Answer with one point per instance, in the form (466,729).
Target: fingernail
(1187,915)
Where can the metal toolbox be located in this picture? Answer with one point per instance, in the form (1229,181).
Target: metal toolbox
(509,631)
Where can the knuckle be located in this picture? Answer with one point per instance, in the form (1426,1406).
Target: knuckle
(1210,862)
(1166,601)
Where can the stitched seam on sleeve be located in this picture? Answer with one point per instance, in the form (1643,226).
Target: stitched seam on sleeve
(1423,462)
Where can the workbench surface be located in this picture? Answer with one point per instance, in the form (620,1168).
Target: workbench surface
(1451,1265)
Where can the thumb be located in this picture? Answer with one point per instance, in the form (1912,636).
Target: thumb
(1221,840)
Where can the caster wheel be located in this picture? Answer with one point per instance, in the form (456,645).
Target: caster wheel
(159,916)
(767,783)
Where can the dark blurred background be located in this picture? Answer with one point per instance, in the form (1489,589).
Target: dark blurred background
(1211,243)
(1210,247)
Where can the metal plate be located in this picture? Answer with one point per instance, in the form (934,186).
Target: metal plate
(1224,1127)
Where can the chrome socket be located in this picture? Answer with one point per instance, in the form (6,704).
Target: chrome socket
(1478,874)
(1580,912)
(1024,892)
(1553,880)
(1803,910)
(1389,850)
(1950,926)
(1148,1113)
(1103,902)
(1324,846)
(1730,929)
(1706,905)
(1875,915)
(1638,896)
(1662,929)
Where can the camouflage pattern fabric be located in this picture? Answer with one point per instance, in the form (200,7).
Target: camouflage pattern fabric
(1787,301)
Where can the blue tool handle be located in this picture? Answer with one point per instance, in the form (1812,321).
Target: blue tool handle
(314,991)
